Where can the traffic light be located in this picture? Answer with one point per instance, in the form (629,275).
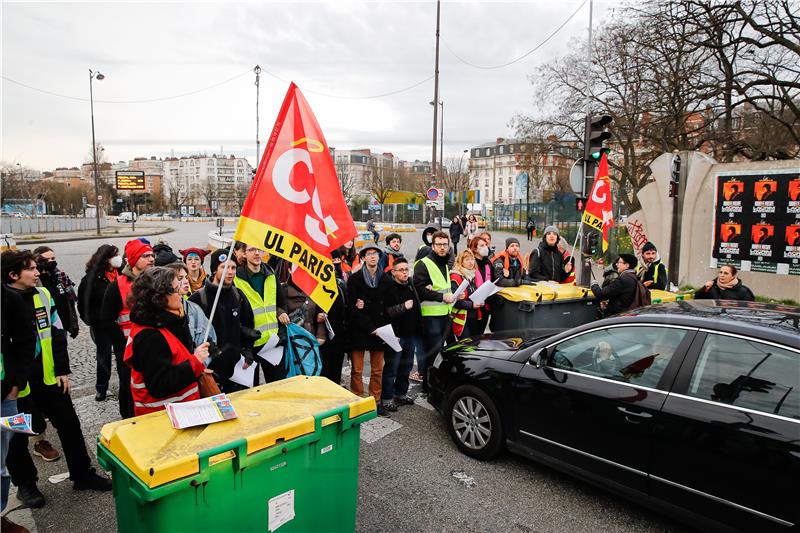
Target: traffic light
(595,135)
(592,243)
(580,204)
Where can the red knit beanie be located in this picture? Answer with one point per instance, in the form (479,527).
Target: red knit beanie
(134,250)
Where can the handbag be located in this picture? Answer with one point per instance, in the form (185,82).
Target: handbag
(208,385)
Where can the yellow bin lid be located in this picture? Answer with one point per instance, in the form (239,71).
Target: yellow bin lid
(568,291)
(659,296)
(540,292)
(157,454)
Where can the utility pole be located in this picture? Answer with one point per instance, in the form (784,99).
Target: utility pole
(92,76)
(435,101)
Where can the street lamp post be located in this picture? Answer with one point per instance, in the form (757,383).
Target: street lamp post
(460,162)
(439,176)
(92,76)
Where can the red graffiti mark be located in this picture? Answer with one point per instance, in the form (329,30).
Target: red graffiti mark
(638,236)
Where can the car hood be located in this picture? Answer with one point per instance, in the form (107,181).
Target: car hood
(500,345)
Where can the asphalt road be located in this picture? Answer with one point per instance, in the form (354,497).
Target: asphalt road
(411,476)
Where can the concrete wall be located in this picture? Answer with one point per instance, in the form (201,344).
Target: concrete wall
(697,227)
(48,224)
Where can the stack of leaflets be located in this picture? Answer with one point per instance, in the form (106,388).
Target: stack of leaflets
(198,412)
(19,423)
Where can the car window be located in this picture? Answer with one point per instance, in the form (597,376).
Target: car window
(636,355)
(747,373)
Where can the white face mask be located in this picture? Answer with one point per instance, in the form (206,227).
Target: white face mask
(483,250)
(115,261)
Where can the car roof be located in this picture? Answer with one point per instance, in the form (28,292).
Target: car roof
(763,320)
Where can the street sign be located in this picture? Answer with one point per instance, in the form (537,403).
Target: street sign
(130,180)
(213,204)
(412,207)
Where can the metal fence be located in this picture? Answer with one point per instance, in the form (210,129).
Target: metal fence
(47,224)
(561,214)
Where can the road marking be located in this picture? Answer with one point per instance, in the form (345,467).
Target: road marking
(377,428)
(464,479)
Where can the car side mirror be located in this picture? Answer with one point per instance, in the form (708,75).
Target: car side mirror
(538,358)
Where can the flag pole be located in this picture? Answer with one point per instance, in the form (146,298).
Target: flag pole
(219,289)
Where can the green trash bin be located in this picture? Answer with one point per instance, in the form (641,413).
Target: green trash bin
(288,463)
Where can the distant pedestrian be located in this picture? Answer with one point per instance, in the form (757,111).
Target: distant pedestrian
(404,313)
(371,229)
(456,230)
(366,314)
(530,227)
(726,286)
(101,270)
(619,295)
(193,258)
(471,228)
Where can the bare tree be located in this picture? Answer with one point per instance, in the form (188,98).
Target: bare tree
(177,191)
(347,181)
(211,191)
(379,181)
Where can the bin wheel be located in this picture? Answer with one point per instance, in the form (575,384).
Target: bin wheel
(473,422)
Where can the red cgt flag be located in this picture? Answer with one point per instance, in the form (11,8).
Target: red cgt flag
(295,208)
(598,213)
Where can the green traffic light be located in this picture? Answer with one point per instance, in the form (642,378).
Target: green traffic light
(599,154)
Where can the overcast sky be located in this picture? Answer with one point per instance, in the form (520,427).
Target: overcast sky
(330,49)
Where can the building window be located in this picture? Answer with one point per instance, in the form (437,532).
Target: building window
(502,150)
(487,152)
(510,148)
(486,182)
(500,192)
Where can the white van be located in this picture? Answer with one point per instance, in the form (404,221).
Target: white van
(126,216)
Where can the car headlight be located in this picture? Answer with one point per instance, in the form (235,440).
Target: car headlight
(438,361)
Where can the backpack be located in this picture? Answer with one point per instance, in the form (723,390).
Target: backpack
(301,354)
(641,297)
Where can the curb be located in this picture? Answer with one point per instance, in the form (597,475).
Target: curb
(95,237)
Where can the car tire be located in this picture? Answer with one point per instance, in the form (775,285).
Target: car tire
(473,422)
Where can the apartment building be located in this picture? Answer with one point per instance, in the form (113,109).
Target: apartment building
(357,168)
(214,184)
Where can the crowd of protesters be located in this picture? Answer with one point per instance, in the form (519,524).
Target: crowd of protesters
(152,308)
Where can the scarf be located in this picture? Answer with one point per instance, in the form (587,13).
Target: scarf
(197,285)
(468,275)
(372,281)
(725,286)
(111,275)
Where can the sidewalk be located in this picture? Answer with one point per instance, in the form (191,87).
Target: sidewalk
(107,232)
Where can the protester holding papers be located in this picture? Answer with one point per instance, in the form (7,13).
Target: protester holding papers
(365,290)
(403,311)
(465,313)
(163,367)
(233,322)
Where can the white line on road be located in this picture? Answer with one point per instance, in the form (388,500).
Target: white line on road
(377,428)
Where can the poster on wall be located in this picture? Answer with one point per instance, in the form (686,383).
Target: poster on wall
(757,222)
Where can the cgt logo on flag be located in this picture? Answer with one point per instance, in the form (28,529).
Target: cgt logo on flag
(295,208)
(598,213)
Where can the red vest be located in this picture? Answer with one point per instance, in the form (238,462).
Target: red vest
(124,319)
(390,263)
(460,315)
(143,401)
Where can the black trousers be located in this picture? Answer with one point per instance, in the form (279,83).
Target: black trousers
(58,408)
(332,354)
(103,344)
(118,341)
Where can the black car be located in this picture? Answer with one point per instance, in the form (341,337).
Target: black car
(689,407)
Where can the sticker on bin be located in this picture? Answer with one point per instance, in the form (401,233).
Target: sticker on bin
(281,510)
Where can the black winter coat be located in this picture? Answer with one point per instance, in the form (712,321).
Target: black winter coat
(233,323)
(619,293)
(405,322)
(18,341)
(91,291)
(66,307)
(546,263)
(164,255)
(739,292)
(364,321)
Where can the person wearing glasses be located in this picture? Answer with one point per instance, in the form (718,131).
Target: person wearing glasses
(165,365)
(116,314)
(618,295)
(432,282)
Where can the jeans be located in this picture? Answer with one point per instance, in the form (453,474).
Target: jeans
(436,329)
(397,366)
(375,373)
(58,408)
(103,344)
(8,408)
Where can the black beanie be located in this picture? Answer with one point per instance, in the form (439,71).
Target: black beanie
(630,259)
(218,257)
(511,240)
(649,246)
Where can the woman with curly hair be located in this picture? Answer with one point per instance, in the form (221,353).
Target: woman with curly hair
(101,270)
(159,352)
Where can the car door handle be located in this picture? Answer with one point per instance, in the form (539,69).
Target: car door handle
(634,413)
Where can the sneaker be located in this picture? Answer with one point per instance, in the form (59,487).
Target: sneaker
(30,496)
(390,406)
(100,396)
(10,527)
(382,411)
(404,400)
(45,450)
(92,481)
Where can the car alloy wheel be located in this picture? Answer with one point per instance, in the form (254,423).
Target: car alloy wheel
(471,423)
(474,423)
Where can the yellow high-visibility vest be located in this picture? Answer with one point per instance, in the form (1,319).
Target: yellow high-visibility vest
(41,300)
(265,309)
(440,284)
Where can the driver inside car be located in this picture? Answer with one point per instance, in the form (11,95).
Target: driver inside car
(604,359)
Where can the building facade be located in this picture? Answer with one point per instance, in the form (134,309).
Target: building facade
(208,185)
